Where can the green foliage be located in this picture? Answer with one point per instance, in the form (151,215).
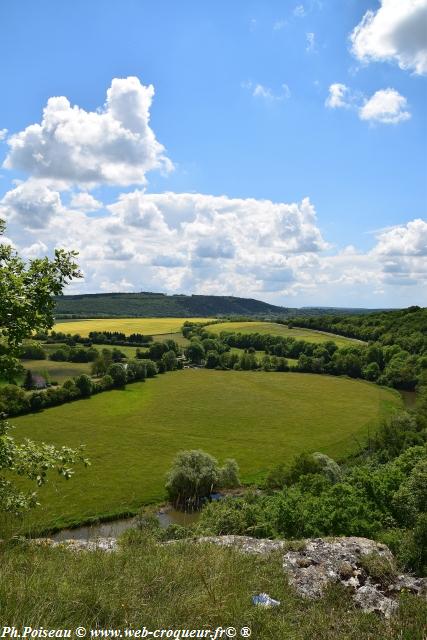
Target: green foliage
(193,477)
(26,305)
(13,400)
(397,434)
(33,461)
(229,475)
(32,351)
(195,352)
(169,360)
(26,302)
(118,374)
(85,385)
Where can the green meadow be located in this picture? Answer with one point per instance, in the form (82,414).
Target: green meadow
(275,329)
(131,436)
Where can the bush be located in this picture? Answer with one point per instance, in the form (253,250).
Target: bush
(36,401)
(32,351)
(13,400)
(60,355)
(229,475)
(106,382)
(72,389)
(84,384)
(118,374)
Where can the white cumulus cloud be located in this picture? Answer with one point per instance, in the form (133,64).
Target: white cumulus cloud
(31,204)
(404,240)
(84,201)
(114,145)
(188,242)
(386,106)
(397,31)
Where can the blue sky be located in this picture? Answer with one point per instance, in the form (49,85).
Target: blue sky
(241,106)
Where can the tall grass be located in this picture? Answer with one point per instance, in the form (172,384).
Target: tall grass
(181,585)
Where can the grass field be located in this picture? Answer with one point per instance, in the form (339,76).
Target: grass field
(147,326)
(281,330)
(261,419)
(57,371)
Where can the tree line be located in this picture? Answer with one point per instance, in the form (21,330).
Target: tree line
(383,361)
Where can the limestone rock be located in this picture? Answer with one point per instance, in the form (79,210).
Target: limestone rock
(371,600)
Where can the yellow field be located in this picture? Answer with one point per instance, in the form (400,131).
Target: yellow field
(147,326)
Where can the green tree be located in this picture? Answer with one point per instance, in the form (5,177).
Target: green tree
(84,385)
(118,374)
(26,297)
(195,352)
(169,360)
(26,305)
(193,477)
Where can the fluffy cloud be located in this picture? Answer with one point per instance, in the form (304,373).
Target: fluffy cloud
(338,96)
(402,251)
(396,32)
(114,145)
(404,240)
(84,201)
(195,243)
(386,106)
(3,134)
(31,204)
(186,242)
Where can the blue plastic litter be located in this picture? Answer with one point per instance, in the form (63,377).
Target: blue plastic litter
(264,600)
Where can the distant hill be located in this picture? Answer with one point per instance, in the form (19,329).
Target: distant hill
(147,304)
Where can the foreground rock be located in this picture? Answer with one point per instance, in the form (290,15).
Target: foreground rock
(97,544)
(312,565)
(319,562)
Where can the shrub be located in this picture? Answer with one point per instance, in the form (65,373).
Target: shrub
(60,355)
(32,351)
(84,385)
(13,400)
(72,389)
(118,374)
(328,467)
(229,475)
(106,382)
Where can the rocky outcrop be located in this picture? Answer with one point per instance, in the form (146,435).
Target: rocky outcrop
(319,562)
(311,565)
